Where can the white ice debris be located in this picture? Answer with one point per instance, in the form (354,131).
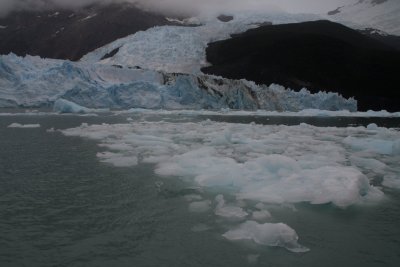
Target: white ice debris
(245,164)
(18,125)
(261,215)
(392,180)
(269,234)
(200,206)
(228,211)
(117,159)
(271,164)
(65,106)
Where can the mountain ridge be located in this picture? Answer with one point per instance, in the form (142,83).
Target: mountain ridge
(319,55)
(70,34)
(378,14)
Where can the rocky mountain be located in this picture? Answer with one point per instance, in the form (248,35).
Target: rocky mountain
(318,55)
(70,34)
(383,15)
(293,50)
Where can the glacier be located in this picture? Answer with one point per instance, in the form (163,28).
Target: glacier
(383,16)
(155,69)
(35,82)
(181,49)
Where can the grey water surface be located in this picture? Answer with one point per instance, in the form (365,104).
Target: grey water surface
(59,206)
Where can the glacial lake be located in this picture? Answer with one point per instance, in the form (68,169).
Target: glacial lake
(61,206)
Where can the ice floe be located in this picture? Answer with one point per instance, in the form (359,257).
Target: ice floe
(270,234)
(18,125)
(243,164)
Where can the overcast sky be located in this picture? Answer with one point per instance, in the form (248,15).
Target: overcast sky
(311,6)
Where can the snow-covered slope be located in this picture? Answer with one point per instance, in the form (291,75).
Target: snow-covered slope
(36,82)
(379,14)
(182,49)
(141,71)
(69,34)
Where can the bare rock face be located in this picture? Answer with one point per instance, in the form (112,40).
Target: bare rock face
(318,55)
(225,18)
(70,34)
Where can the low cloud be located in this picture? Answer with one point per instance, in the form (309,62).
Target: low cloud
(311,6)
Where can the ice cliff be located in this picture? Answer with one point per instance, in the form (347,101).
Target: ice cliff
(36,82)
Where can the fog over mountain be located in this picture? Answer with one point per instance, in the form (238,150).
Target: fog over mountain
(310,6)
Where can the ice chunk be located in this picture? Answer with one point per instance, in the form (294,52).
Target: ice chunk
(264,163)
(18,125)
(65,106)
(269,234)
(228,211)
(117,159)
(392,181)
(370,164)
(372,127)
(261,215)
(200,206)
(384,147)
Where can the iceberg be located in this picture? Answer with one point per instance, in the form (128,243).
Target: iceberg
(23,126)
(269,234)
(65,106)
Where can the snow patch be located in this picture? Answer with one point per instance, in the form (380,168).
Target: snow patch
(367,14)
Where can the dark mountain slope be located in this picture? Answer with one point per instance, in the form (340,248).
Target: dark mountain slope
(318,55)
(391,40)
(67,34)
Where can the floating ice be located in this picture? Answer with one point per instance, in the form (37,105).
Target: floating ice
(117,159)
(273,164)
(65,106)
(18,125)
(228,211)
(385,147)
(269,234)
(250,163)
(261,215)
(392,181)
(200,206)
